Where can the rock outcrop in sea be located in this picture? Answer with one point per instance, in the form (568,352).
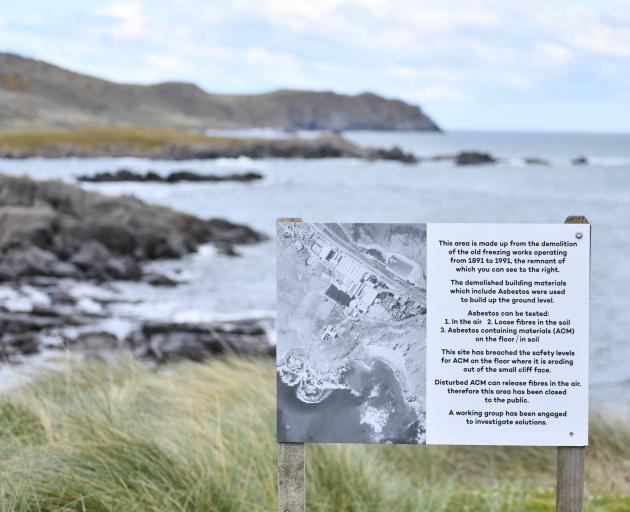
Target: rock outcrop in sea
(179,176)
(474,158)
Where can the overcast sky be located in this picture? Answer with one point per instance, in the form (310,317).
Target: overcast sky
(473,64)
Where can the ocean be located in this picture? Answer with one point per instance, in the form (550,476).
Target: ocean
(349,190)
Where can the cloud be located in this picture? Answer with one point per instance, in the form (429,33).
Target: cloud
(490,52)
(436,93)
(513,78)
(260,57)
(427,73)
(553,53)
(463,53)
(446,21)
(431,83)
(602,39)
(165,62)
(292,15)
(128,20)
(587,30)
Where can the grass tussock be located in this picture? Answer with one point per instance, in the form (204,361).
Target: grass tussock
(87,139)
(202,438)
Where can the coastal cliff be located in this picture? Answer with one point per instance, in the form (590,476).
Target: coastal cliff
(35,94)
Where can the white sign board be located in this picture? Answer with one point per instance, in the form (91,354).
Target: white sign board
(507,331)
(471,334)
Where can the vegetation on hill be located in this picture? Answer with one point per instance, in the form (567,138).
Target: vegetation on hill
(37,94)
(201,437)
(93,138)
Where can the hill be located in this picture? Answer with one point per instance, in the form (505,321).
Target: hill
(35,94)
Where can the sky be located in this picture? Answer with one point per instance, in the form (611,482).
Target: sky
(545,65)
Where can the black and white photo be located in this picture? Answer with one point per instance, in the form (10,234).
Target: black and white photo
(351,332)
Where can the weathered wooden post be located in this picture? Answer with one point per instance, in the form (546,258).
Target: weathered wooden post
(291,495)
(291,469)
(570,476)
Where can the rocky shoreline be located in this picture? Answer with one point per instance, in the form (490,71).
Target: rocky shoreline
(155,144)
(54,235)
(56,229)
(325,146)
(166,342)
(25,333)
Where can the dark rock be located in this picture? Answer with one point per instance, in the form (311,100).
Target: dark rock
(50,228)
(580,160)
(14,344)
(178,176)
(119,175)
(462,158)
(474,158)
(54,312)
(61,297)
(156,279)
(91,253)
(33,261)
(96,261)
(33,224)
(119,239)
(36,320)
(45,282)
(227,249)
(165,342)
(95,342)
(174,177)
(395,153)
(227,232)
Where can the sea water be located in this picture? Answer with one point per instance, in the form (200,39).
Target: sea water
(350,190)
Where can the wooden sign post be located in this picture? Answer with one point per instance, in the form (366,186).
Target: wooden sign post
(291,477)
(570,476)
(291,463)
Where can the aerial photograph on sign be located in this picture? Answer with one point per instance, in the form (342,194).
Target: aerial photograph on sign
(351,338)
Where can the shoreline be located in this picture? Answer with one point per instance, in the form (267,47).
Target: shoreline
(162,144)
(63,249)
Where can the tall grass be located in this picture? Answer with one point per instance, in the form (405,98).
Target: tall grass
(202,437)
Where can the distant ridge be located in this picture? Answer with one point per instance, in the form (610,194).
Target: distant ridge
(35,94)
